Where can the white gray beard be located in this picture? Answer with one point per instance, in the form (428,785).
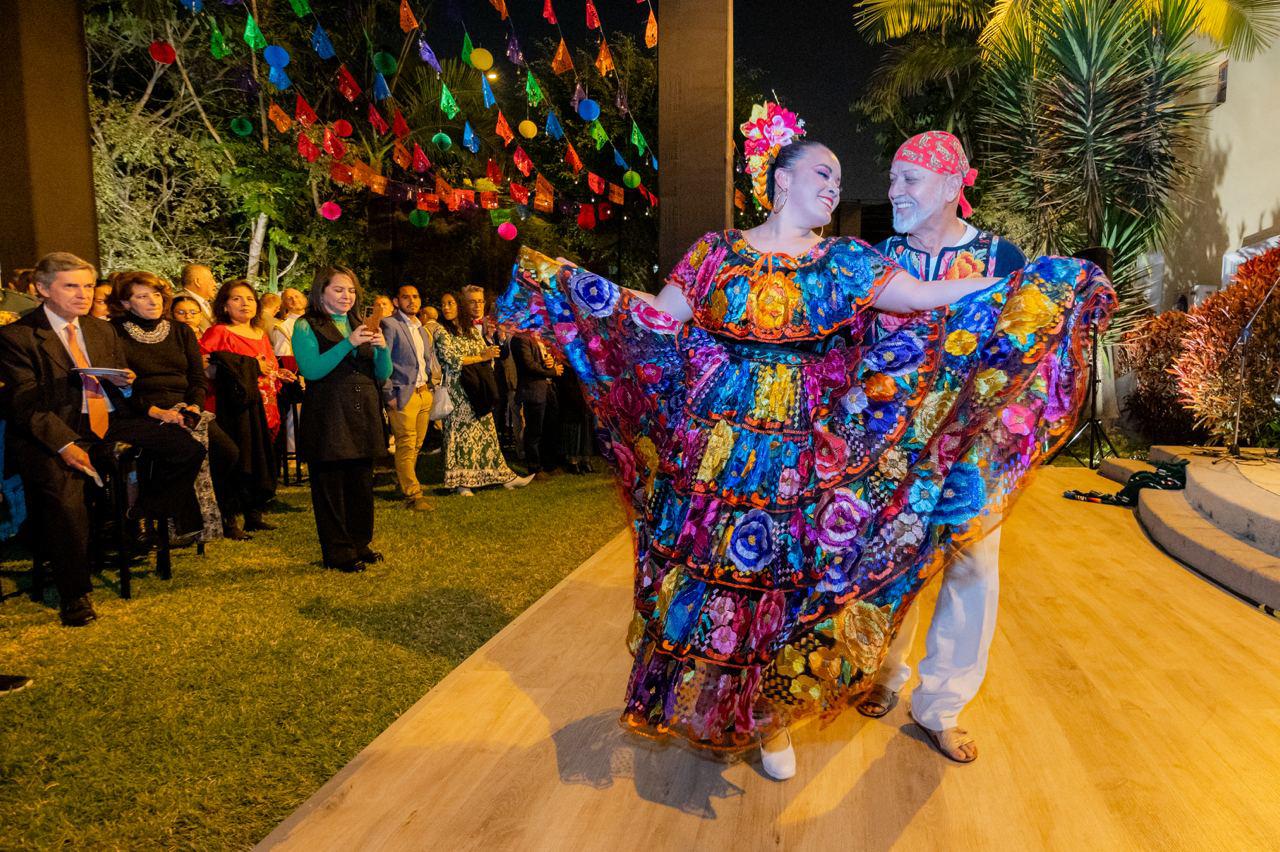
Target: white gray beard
(903,222)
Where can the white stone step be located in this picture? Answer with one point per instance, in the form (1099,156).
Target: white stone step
(1235,504)
(1190,537)
(1119,470)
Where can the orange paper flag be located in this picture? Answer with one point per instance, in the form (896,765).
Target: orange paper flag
(428,201)
(604,62)
(571,157)
(401,155)
(595,182)
(615,194)
(279,117)
(504,130)
(593,17)
(408,22)
(501,6)
(563,61)
(739,200)
(444,191)
(544,196)
(378,184)
(651,31)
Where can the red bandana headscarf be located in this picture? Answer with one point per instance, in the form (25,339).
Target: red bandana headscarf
(940,152)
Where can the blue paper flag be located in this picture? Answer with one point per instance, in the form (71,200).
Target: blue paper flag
(278,78)
(320,43)
(192,5)
(488,93)
(380,89)
(428,55)
(469,140)
(653,161)
(617,158)
(554,130)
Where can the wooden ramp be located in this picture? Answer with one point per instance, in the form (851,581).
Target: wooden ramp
(1129,704)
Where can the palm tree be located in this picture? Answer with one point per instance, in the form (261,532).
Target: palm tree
(1085,112)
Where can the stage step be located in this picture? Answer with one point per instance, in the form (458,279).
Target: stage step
(1235,505)
(1119,470)
(1187,535)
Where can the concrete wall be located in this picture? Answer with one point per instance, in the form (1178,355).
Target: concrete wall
(1234,198)
(695,124)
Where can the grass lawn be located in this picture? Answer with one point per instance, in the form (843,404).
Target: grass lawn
(203,711)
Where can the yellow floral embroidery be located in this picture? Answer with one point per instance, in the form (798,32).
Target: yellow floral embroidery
(990,382)
(805,687)
(961,342)
(933,409)
(719,305)
(775,392)
(646,450)
(635,633)
(790,661)
(667,591)
(698,254)
(719,445)
(826,663)
(965,266)
(772,302)
(862,636)
(1028,311)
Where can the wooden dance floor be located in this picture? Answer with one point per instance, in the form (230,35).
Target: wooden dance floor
(1129,704)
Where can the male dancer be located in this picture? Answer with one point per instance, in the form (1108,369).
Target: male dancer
(926,184)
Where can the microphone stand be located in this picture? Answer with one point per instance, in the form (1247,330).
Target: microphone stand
(1242,342)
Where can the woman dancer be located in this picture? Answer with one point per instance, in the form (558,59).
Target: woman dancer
(795,480)
(472,456)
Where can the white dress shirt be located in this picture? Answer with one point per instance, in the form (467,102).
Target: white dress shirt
(59,326)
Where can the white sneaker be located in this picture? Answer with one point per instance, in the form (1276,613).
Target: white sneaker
(463,491)
(779,765)
(517,482)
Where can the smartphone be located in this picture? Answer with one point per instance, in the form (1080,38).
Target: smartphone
(373,321)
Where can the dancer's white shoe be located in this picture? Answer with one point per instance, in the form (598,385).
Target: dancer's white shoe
(517,482)
(779,764)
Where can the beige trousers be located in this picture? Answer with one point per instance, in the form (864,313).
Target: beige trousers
(409,424)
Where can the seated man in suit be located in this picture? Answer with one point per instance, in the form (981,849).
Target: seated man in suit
(536,394)
(415,374)
(61,418)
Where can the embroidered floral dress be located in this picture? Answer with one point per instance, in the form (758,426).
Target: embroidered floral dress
(472,455)
(795,480)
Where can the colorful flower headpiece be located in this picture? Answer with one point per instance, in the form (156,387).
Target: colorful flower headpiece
(769,129)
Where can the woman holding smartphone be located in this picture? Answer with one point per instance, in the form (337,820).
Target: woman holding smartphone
(342,431)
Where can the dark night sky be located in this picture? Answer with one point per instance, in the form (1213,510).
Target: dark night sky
(816,61)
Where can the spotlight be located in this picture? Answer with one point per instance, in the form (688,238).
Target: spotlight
(492,75)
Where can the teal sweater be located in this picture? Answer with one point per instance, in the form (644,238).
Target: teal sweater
(313,365)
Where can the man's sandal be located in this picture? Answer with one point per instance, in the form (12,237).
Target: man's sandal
(878,702)
(950,742)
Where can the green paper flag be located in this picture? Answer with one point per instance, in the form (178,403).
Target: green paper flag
(637,138)
(300,7)
(532,91)
(598,135)
(253,36)
(217,43)
(447,104)
(497,217)
(467,47)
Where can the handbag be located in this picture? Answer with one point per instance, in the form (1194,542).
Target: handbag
(441,404)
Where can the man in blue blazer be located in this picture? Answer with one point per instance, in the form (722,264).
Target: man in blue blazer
(415,374)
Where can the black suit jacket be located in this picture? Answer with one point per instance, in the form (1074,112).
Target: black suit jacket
(532,374)
(43,397)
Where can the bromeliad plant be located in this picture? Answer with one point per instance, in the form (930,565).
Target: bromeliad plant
(1083,113)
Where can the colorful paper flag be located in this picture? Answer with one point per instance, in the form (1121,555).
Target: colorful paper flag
(278,78)
(427,54)
(619,162)
(651,31)
(399,126)
(519,192)
(279,117)
(381,91)
(554,130)
(571,157)
(504,130)
(620,99)
(532,90)
(401,155)
(739,200)
(593,18)
(587,216)
(464,199)
(549,13)
(595,182)
(444,191)
(420,161)
(340,173)
(598,135)
(604,62)
(562,61)
(378,184)
(428,201)
(447,104)
(333,145)
(604,211)
(488,201)
(501,6)
(467,47)
(522,161)
(303,112)
(493,172)
(514,54)
(579,95)
(489,100)
(637,139)
(408,23)
(469,139)
(498,217)
(347,84)
(616,194)
(193,6)
(218,43)
(308,149)
(379,123)
(544,196)
(361,172)
(320,43)
(300,7)
(253,36)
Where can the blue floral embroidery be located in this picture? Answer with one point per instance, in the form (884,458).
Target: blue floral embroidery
(753,543)
(963,495)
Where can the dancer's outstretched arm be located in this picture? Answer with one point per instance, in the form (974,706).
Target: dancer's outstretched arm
(671,301)
(906,294)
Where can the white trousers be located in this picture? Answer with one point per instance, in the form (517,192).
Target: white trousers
(958,640)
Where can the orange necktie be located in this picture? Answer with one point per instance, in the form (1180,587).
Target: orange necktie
(97,403)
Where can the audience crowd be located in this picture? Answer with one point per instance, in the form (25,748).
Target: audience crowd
(209,387)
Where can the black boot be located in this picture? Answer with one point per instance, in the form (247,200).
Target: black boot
(253,521)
